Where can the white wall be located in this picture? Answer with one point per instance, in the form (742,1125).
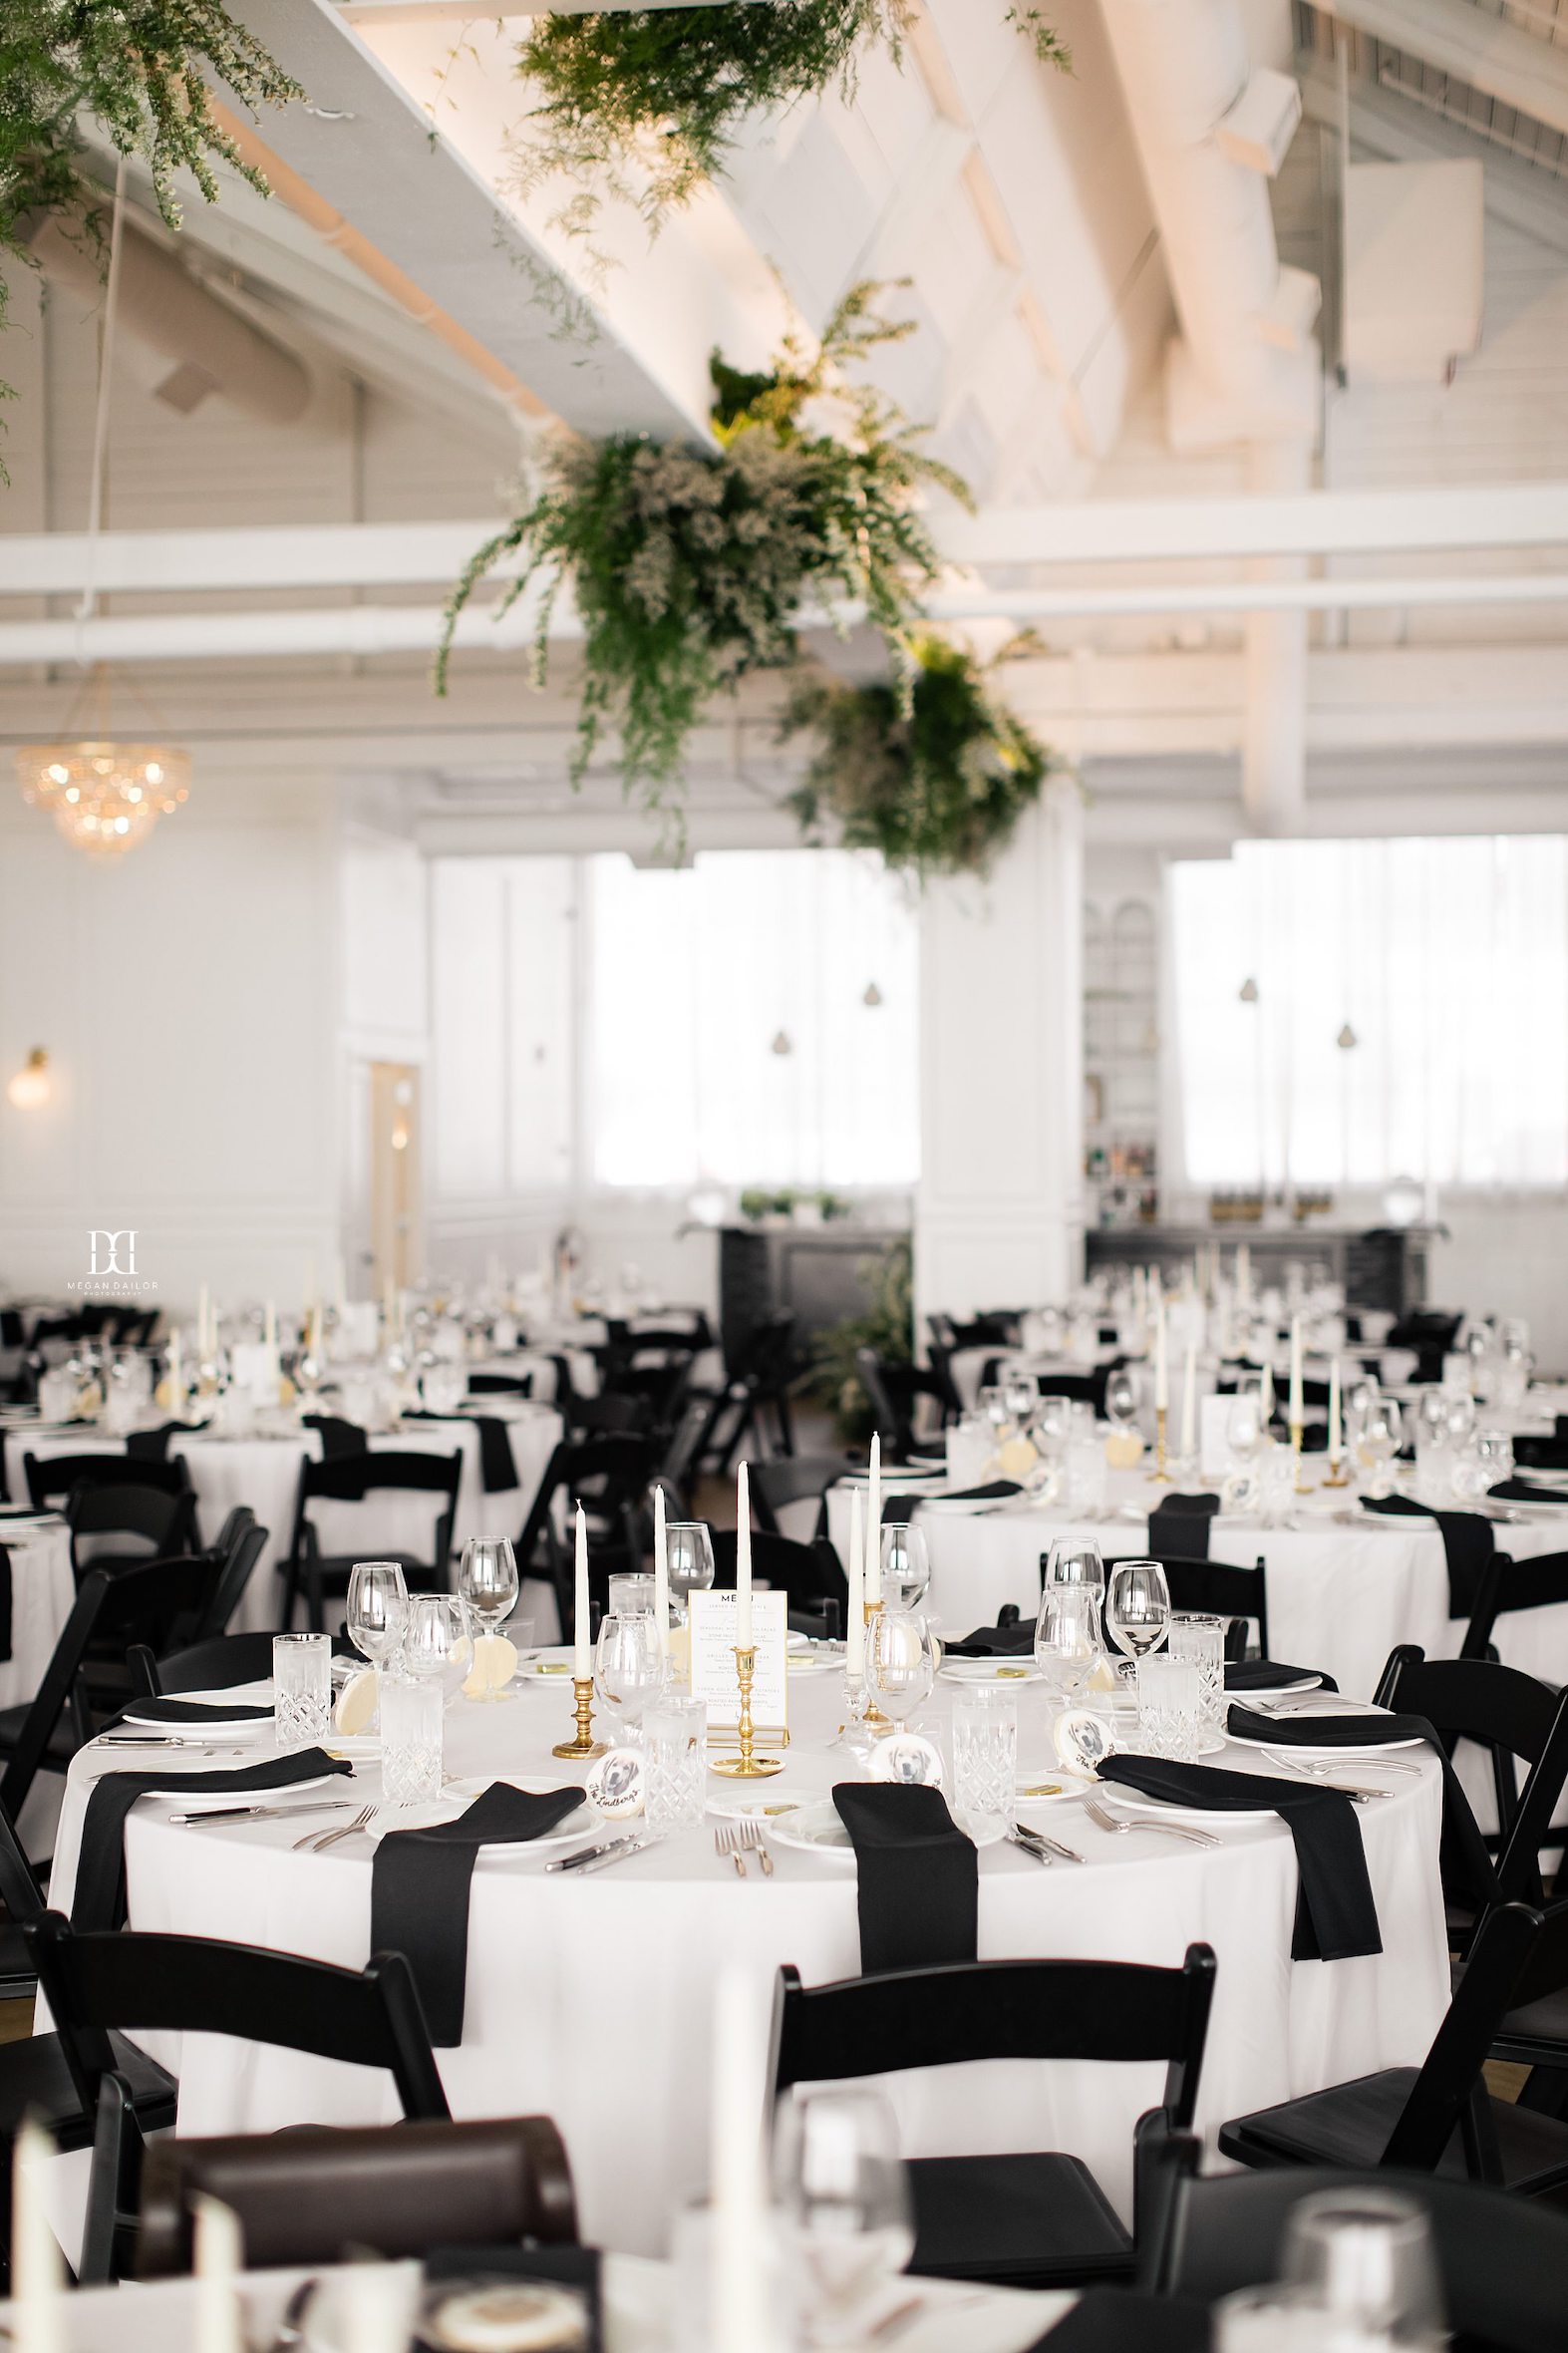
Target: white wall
(188,999)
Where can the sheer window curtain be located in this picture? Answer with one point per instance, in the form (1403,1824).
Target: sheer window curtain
(693,976)
(1448,959)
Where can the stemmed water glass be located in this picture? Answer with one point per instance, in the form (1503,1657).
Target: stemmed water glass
(689,1554)
(628,1665)
(1137,1608)
(1122,1398)
(377,1609)
(1379,1442)
(437,1646)
(900,1663)
(845,2195)
(1067,1639)
(1075,1561)
(1020,1395)
(906,1566)
(1245,1429)
(487,1582)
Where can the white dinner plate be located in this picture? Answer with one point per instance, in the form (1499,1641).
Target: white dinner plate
(18,1521)
(224,1727)
(586,1822)
(215,1801)
(1297,1748)
(813,1662)
(991,1670)
(1118,1794)
(546,1666)
(796,1642)
(1241,1699)
(817,1829)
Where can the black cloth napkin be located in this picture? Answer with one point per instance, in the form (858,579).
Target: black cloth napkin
(419,1890)
(1015,1641)
(190,1711)
(1541,1454)
(902,1505)
(1179,1526)
(338,1438)
(99,1900)
(1266,1674)
(151,1445)
(1121,2320)
(1468,1544)
(497,1468)
(1525,1490)
(1336,1917)
(919,1876)
(1466,1864)
(563,2267)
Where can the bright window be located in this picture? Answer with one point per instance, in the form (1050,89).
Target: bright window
(1447,963)
(730,1036)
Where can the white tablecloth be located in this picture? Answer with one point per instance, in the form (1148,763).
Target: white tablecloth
(264,1472)
(1340,1597)
(42,1592)
(591,1998)
(640,2312)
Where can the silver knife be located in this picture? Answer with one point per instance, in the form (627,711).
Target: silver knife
(267,1813)
(1027,1847)
(1051,1845)
(593,1858)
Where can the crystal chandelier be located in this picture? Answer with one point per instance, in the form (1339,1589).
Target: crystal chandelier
(104,796)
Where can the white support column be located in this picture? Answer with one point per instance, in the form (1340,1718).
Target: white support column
(1274,745)
(999,1217)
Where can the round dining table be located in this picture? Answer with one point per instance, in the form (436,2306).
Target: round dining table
(589,1996)
(1344,1585)
(262,1469)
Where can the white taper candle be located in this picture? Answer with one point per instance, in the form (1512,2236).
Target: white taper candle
(37,2266)
(217,2258)
(661,1573)
(873,1522)
(742,1560)
(582,1655)
(855,1629)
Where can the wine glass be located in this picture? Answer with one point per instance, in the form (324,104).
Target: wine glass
(487,1582)
(1244,1424)
(437,1644)
(842,2184)
(1067,1639)
(688,1555)
(900,1663)
(628,1664)
(1379,1439)
(1075,1561)
(1138,1607)
(1020,1394)
(906,1566)
(1052,1421)
(378,1609)
(1432,1416)
(1122,1398)
(992,1403)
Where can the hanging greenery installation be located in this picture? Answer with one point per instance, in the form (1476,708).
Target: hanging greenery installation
(936,781)
(136,67)
(688,564)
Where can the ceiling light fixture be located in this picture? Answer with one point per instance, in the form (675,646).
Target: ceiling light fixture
(1248,991)
(1347,1038)
(873,996)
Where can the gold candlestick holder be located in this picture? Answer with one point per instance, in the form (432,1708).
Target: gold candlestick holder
(1300,1485)
(1337,1474)
(585,1745)
(747,1766)
(874,1714)
(1160,1475)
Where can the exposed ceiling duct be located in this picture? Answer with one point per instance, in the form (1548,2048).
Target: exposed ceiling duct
(199,345)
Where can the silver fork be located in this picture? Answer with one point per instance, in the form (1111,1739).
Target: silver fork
(750,1835)
(319,1841)
(1322,1768)
(1102,1814)
(726,1842)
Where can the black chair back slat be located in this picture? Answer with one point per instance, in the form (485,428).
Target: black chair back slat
(1218,1588)
(105,1509)
(609,1476)
(1119,2011)
(1441,2097)
(236,1565)
(810,1574)
(795,1478)
(1507,1585)
(51,1479)
(355,1478)
(139,1983)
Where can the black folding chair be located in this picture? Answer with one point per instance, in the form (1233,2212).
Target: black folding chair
(213,1665)
(1440,2114)
(1215,1589)
(155,1606)
(364,1478)
(501,1384)
(1514,1718)
(679,1461)
(808,1573)
(140,1984)
(759,1376)
(236,1554)
(51,1479)
(893,1389)
(609,1476)
(116,1526)
(796,1479)
(1037,2221)
(1507,1585)
(306,2195)
(1502,2261)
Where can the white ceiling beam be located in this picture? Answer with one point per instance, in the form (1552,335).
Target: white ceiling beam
(1435,517)
(1486,51)
(365,631)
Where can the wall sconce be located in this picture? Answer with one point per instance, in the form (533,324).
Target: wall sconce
(32,1085)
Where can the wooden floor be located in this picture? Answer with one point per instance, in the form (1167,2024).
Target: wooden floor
(16,2021)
